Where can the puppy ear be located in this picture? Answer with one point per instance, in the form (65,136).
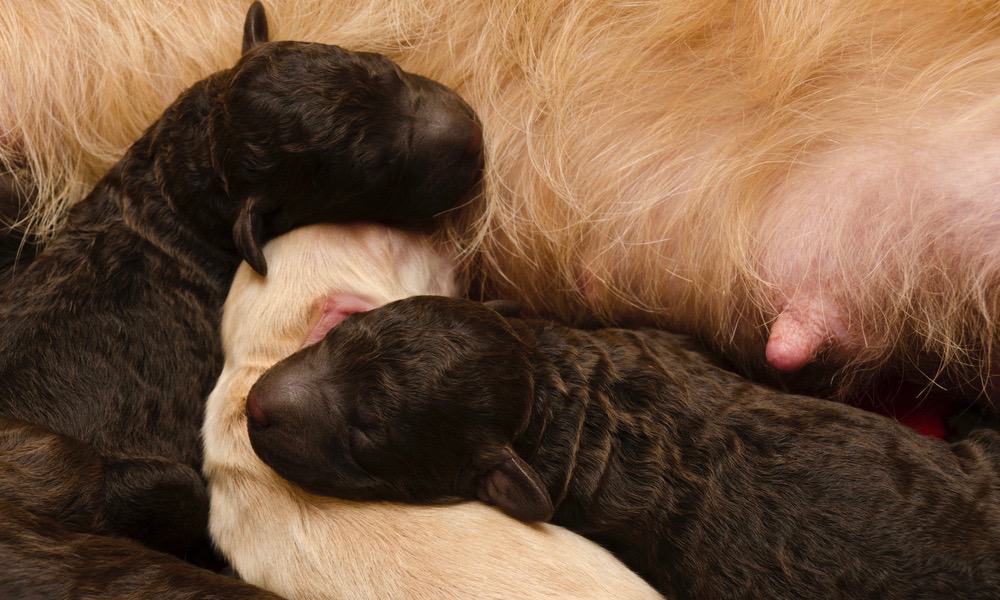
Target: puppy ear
(515,488)
(506,308)
(248,234)
(254,27)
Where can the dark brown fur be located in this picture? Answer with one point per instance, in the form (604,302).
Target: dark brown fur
(17,248)
(707,484)
(56,492)
(109,337)
(43,561)
(58,477)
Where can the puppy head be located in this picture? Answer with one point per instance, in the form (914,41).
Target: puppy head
(417,401)
(305,133)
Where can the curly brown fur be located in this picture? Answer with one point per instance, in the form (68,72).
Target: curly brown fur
(306,547)
(707,484)
(51,475)
(110,335)
(17,246)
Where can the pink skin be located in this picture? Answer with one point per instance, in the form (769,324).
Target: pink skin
(806,325)
(333,310)
(859,217)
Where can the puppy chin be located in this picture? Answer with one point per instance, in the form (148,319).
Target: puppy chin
(269,448)
(313,474)
(352,488)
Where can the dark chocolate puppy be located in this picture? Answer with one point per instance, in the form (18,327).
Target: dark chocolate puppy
(708,485)
(110,335)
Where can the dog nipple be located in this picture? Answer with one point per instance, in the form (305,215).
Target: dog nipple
(800,332)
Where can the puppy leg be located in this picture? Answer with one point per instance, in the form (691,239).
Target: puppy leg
(43,561)
(159,502)
(162,503)
(51,476)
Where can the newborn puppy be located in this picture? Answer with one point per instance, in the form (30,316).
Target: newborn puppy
(110,335)
(708,485)
(314,548)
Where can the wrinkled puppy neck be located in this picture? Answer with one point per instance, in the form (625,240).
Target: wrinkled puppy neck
(561,400)
(538,366)
(523,478)
(169,176)
(175,191)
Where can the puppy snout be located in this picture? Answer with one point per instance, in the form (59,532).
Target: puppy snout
(474,139)
(273,402)
(447,132)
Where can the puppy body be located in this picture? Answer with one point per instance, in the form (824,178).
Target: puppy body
(54,494)
(713,487)
(99,330)
(305,546)
(109,336)
(707,484)
(57,477)
(17,247)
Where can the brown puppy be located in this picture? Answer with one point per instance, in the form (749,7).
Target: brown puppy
(307,547)
(57,493)
(110,335)
(708,485)
(17,247)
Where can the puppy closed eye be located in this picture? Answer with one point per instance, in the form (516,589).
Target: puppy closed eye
(359,440)
(364,450)
(366,419)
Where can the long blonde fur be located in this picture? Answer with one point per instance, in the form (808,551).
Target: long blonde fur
(701,164)
(307,547)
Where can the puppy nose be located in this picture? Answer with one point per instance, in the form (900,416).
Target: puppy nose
(283,399)
(449,132)
(255,413)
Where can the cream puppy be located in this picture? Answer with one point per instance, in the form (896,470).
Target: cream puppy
(304,546)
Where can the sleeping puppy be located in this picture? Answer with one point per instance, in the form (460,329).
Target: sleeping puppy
(708,485)
(314,548)
(109,336)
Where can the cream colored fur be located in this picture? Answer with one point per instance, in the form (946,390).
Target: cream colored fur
(308,547)
(703,164)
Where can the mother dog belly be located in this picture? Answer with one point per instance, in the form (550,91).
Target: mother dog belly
(789,180)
